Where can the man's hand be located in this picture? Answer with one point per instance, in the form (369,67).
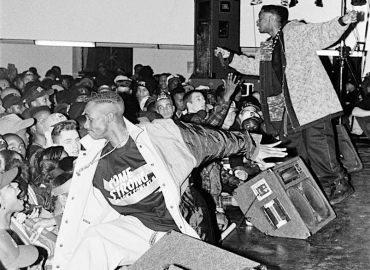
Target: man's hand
(269,150)
(230,85)
(44,223)
(350,17)
(222,221)
(224,53)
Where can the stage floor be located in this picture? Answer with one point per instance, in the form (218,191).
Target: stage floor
(344,243)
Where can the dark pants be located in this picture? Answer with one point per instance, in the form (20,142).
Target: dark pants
(316,146)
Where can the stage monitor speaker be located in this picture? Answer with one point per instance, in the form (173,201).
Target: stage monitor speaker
(183,252)
(285,201)
(347,152)
(217,24)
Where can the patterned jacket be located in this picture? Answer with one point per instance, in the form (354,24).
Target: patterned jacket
(311,91)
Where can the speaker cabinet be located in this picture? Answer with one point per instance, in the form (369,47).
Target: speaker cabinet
(217,24)
(285,201)
(347,152)
(179,251)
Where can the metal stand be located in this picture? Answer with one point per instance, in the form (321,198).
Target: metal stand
(344,53)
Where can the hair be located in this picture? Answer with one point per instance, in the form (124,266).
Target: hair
(10,159)
(66,164)
(188,96)
(108,98)
(52,153)
(281,12)
(62,126)
(177,90)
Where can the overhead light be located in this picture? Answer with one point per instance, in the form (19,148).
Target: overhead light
(175,47)
(64,43)
(127,45)
(17,41)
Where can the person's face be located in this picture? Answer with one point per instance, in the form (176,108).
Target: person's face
(42,101)
(165,108)
(96,121)
(82,98)
(9,198)
(16,144)
(263,22)
(163,81)
(24,136)
(173,84)
(197,103)
(17,109)
(70,140)
(40,117)
(4,84)
(142,92)
(211,99)
(28,78)
(179,101)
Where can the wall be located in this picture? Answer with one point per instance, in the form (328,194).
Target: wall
(42,57)
(123,21)
(172,61)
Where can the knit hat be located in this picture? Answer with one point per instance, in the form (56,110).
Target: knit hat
(35,92)
(149,83)
(14,256)
(12,99)
(12,123)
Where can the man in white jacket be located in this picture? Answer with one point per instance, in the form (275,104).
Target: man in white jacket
(128,181)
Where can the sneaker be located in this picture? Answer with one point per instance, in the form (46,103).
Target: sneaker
(340,191)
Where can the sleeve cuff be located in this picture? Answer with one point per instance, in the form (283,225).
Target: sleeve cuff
(340,20)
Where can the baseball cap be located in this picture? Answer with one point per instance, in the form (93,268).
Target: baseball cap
(173,77)
(3,144)
(36,92)
(77,91)
(7,177)
(121,78)
(34,110)
(52,120)
(14,256)
(149,83)
(249,101)
(12,99)
(163,95)
(12,123)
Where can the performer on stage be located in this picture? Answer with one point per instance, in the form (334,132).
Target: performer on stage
(297,97)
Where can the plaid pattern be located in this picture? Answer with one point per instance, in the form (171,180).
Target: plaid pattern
(217,115)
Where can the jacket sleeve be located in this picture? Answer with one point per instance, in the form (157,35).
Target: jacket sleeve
(207,143)
(315,36)
(246,65)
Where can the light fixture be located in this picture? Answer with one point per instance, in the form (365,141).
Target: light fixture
(126,45)
(64,43)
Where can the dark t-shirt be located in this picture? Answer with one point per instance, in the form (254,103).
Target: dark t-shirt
(130,187)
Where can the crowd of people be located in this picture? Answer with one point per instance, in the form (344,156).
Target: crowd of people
(97,169)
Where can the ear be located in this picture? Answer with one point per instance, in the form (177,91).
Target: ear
(110,117)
